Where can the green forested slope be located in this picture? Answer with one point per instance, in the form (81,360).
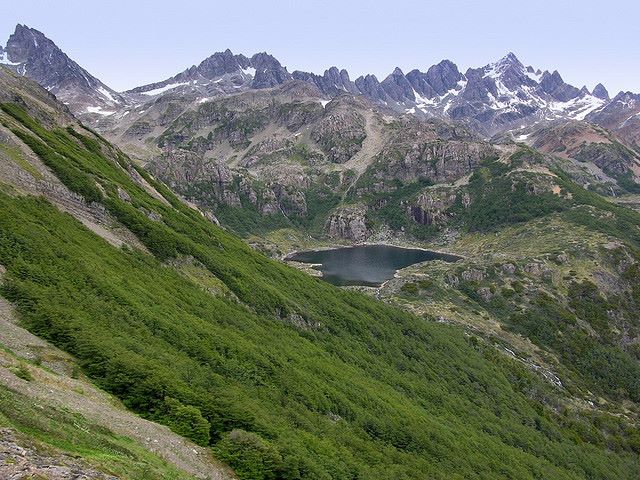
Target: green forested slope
(288,377)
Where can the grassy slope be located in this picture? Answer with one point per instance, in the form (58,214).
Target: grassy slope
(366,391)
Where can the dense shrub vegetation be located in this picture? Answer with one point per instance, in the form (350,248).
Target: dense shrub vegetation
(367,391)
(497,199)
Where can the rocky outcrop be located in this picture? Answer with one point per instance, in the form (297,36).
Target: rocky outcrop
(594,149)
(423,152)
(348,223)
(210,184)
(340,134)
(430,208)
(20,460)
(622,116)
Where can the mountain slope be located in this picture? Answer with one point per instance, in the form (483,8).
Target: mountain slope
(284,375)
(593,156)
(622,116)
(344,169)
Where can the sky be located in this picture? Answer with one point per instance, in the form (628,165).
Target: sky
(135,42)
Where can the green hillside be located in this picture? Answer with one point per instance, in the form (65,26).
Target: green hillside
(283,375)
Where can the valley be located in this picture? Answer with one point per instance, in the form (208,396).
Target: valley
(161,316)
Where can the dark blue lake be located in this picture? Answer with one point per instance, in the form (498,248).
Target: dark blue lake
(369,265)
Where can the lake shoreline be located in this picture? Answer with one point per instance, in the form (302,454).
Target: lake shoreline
(286,257)
(371,264)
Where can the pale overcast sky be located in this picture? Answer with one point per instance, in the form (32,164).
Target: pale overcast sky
(129,43)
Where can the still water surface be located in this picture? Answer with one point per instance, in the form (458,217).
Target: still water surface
(370,265)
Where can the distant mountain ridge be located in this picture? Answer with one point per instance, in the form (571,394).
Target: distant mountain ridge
(500,96)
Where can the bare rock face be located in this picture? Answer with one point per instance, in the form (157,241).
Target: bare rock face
(473,275)
(601,92)
(340,135)
(439,161)
(268,146)
(431,206)
(210,183)
(485,293)
(348,223)
(431,151)
(588,144)
(438,80)
(552,84)
(332,83)
(509,268)
(621,115)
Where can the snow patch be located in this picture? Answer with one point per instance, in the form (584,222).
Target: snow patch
(533,76)
(99,111)
(629,119)
(324,102)
(157,91)
(591,103)
(106,94)
(4,59)
(579,107)
(249,71)
(422,103)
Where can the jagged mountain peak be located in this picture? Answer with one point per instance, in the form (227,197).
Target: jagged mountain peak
(26,43)
(30,53)
(601,92)
(222,72)
(509,59)
(509,64)
(333,82)
(493,98)
(445,63)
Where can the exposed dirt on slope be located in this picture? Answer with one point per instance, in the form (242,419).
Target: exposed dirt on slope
(21,459)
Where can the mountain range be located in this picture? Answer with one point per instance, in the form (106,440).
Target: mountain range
(503,95)
(153,325)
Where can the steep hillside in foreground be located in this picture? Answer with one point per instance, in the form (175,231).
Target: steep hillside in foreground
(283,375)
(55,424)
